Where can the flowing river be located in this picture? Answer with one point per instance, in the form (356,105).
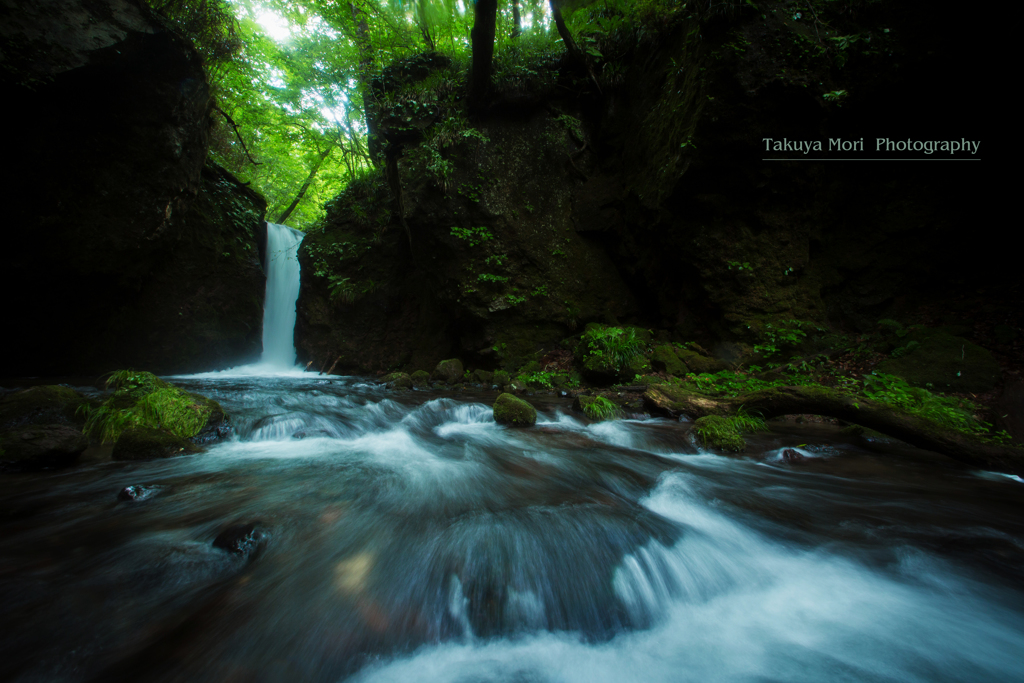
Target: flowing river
(410,538)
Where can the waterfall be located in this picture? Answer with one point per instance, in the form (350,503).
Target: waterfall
(282,293)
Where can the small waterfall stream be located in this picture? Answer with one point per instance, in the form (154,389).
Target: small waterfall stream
(282,292)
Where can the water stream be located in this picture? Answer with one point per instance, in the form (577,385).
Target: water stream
(410,538)
(413,539)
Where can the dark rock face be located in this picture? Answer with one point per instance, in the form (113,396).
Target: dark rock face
(114,208)
(651,203)
(46,445)
(245,540)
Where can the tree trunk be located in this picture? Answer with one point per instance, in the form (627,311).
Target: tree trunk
(483,50)
(305,186)
(575,56)
(517,21)
(912,429)
(362,38)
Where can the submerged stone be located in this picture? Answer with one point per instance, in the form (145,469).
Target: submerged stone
(136,493)
(245,540)
(514,411)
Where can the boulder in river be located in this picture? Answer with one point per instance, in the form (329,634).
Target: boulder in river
(146,443)
(448,371)
(136,493)
(514,411)
(47,404)
(397,380)
(420,379)
(36,446)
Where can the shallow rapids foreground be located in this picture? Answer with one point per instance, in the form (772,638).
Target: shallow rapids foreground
(409,538)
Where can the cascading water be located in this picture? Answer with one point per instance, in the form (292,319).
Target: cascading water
(282,292)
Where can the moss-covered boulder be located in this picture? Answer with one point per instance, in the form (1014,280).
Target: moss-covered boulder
(448,371)
(719,433)
(397,380)
(665,359)
(945,361)
(48,404)
(501,378)
(513,411)
(35,446)
(699,363)
(146,443)
(142,400)
(484,377)
(420,379)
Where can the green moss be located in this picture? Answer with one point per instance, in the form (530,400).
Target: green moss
(143,400)
(665,359)
(597,408)
(501,378)
(420,379)
(484,377)
(514,411)
(725,433)
(398,380)
(699,363)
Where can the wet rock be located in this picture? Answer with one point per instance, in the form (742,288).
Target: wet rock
(136,493)
(792,457)
(48,404)
(245,540)
(146,443)
(397,380)
(513,411)
(484,377)
(37,446)
(448,371)
(420,379)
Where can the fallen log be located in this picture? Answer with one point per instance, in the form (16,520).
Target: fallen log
(673,401)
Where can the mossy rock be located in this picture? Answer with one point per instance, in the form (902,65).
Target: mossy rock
(146,443)
(47,404)
(665,359)
(35,446)
(719,433)
(420,379)
(141,399)
(532,366)
(513,411)
(698,363)
(947,362)
(501,378)
(397,380)
(448,371)
(484,377)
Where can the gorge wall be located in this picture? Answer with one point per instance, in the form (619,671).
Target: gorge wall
(125,248)
(640,195)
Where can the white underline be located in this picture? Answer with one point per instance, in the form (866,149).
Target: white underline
(857,159)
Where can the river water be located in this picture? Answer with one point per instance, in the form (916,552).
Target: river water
(410,538)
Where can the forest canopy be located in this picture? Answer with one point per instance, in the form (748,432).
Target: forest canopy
(291,79)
